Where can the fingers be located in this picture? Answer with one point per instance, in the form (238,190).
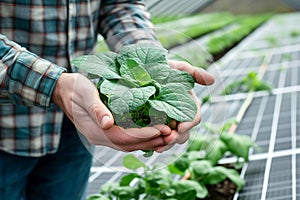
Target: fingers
(171,140)
(145,134)
(200,75)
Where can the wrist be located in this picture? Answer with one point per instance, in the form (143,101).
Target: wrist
(59,89)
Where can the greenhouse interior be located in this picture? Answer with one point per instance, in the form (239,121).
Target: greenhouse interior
(247,145)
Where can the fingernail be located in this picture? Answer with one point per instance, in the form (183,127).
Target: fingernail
(104,120)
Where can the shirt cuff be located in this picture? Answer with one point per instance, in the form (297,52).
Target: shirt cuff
(31,80)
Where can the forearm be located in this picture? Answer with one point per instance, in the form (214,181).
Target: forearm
(126,22)
(26,78)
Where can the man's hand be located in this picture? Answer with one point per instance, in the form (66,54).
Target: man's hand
(182,133)
(79,99)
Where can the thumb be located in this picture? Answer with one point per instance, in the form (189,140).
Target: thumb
(94,106)
(102,114)
(104,117)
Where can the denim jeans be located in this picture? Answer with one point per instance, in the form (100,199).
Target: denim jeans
(60,176)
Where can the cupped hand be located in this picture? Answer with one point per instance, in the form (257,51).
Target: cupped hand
(79,99)
(182,133)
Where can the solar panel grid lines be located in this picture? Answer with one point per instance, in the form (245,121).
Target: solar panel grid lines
(254,176)
(253,133)
(280,180)
(273,137)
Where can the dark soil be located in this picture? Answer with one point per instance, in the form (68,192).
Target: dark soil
(222,191)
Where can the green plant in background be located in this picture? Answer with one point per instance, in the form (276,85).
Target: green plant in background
(139,87)
(249,83)
(215,144)
(244,25)
(295,33)
(246,84)
(272,40)
(154,183)
(200,161)
(202,24)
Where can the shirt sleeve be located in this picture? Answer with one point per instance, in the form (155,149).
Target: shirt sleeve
(126,22)
(25,78)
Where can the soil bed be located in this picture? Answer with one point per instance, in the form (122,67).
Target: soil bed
(222,191)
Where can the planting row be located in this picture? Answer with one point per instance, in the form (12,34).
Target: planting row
(222,31)
(194,175)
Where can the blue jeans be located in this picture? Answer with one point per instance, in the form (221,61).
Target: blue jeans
(60,176)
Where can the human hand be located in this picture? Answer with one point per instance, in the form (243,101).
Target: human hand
(79,99)
(181,134)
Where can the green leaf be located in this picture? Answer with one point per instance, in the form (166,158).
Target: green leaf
(188,195)
(216,151)
(219,173)
(158,179)
(179,79)
(195,155)
(238,144)
(126,192)
(126,180)
(158,71)
(215,176)
(132,71)
(103,65)
(148,153)
(176,103)
(196,143)
(143,54)
(123,99)
(263,86)
(234,176)
(182,163)
(97,197)
(199,169)
(107,189)
(131,162)
(174,170)
(184,187)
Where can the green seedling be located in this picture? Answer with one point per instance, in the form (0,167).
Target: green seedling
(139,87)
(246,84)
(294,34)
(272,41)
(200,161)
(152,184)
(244,25)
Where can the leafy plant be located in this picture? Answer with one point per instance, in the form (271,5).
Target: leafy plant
(272,40)
(294,33)
(250,82)
(244,25)
(191,27)
(200,161)
(246,84)
(152,185)
(215,144)
(139,87)
(204,152)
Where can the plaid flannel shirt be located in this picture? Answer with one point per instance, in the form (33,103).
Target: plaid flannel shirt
(37,41)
